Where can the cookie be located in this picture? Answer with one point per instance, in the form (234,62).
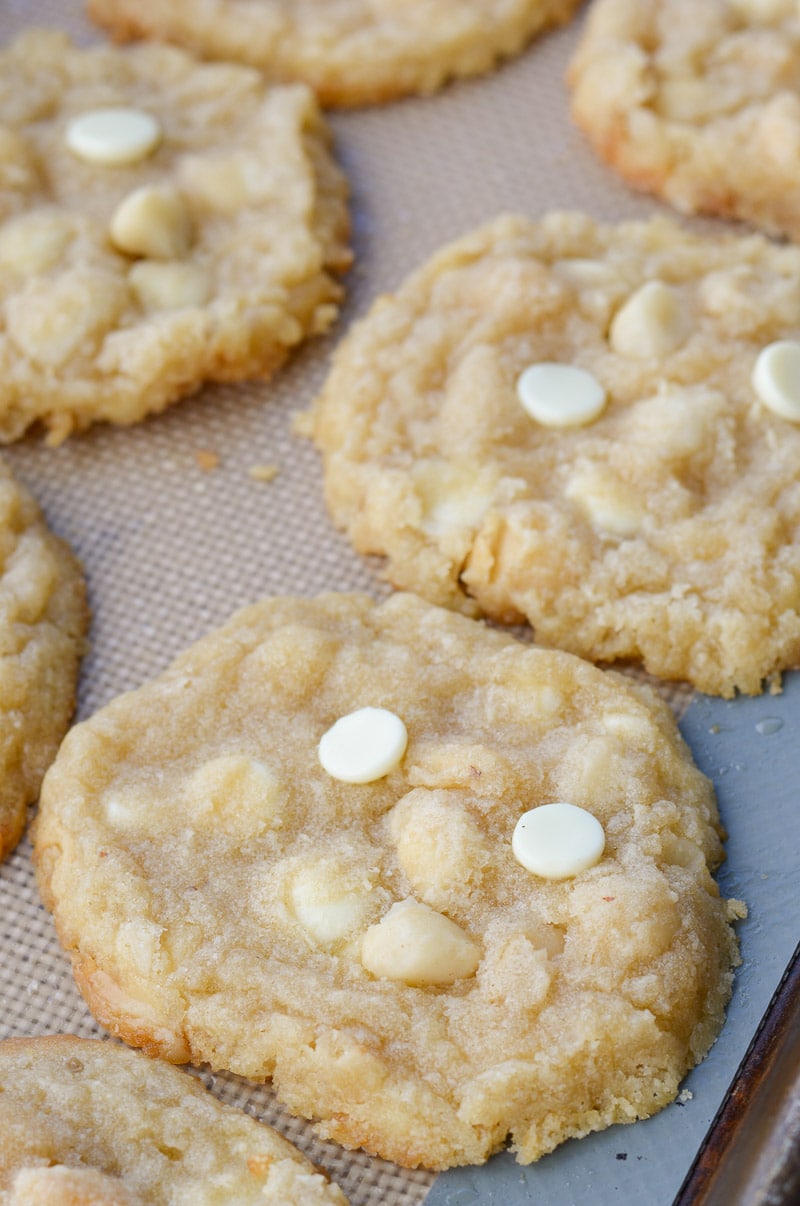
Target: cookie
(44,619)
(699,104)
(163,223)
(354,848)
(92,1123)
(351,52)
(634,495)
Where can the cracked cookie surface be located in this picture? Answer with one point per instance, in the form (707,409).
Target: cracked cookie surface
(89,1122)
(699,104)
(352,52)
(665,525)
(44,618)
(209,257)
(373,945)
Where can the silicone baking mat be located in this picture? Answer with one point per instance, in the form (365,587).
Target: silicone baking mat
(171,547)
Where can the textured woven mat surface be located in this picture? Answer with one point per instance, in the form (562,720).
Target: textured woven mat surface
(171,549)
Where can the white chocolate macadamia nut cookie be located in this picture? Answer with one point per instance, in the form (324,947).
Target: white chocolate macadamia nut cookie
(377,948)
(594,428)
(43,620)
(352,52)
(698,103)
(90,1123)
(163,222)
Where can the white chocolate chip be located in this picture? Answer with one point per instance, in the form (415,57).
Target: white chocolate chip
(778,129)
(440,848)
(52,320)
(113,137)
(586,273)
(170,285)
(597,285)
(18,171)
(153,222)
(653,322)
(236,792)
(687,99)
(561,395)
(126,811)
(417,945)
(630,727)
(451,497)
(363,746)
(764,10)
(330,901)
(137,944)
(58,1184)
(33,243)
(556,841)
(776,378)
(610,505)
(218,183)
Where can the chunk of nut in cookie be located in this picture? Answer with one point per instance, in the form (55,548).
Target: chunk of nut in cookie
(363,746)
(776,378)
(561,395)
(557,841)
(419,946)
(653,322)
(113,137)
(154,222)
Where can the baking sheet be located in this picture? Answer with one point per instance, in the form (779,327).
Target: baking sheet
(749,747)
(171,549)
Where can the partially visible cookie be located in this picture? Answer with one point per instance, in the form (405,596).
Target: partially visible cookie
(697,103)
(43,618)
(163,222)
(90,1123)
(351,52)
(324,856)
(636,494)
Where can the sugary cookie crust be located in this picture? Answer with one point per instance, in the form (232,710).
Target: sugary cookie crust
(697,103)
(668,529)
(246,890)
(89,332)
(90,1123)
(43,618)
(351,52)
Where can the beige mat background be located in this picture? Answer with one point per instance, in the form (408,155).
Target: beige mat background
(171,549)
